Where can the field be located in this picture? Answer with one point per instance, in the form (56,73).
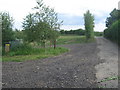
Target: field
(71,39)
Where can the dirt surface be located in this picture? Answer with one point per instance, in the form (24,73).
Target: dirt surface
(108,69)
(74,69)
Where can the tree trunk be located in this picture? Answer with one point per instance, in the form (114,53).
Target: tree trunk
(54,44)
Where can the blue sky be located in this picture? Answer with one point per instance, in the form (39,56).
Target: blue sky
(70,11)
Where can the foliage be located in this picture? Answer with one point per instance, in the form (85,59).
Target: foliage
(7,23)
(114,16)
(113,24)
(89,25)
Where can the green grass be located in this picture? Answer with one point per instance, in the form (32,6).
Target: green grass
(48,52)
(71,39)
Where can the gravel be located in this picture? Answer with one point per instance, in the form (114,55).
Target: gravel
(74,69)
(109,68)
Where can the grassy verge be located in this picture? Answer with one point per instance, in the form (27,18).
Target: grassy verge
(41,53)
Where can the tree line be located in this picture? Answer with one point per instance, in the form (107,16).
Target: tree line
(80,32)
(112,31)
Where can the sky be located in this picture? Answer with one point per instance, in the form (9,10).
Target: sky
(71,12)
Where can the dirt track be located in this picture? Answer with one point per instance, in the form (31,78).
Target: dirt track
(74,69)
(108,69)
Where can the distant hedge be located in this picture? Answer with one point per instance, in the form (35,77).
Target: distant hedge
(113,32)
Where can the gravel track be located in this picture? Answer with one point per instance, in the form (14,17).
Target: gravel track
(74,69)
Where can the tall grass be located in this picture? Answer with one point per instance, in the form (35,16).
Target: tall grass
(27,52)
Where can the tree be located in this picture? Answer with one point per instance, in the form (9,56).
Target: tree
(42,32)
(39,26)
(89,25)
(113,24)
(7,23)
(114,16)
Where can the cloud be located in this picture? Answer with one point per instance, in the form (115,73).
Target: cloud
(71,10)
